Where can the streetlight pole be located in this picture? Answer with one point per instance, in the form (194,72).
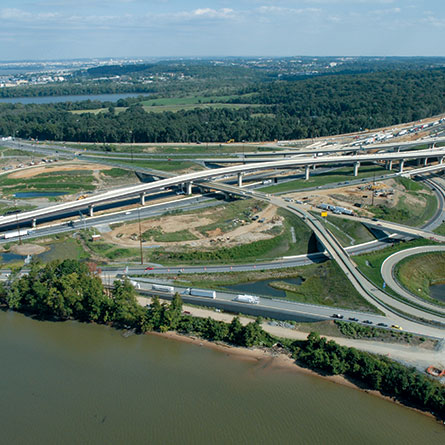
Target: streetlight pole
(140,236)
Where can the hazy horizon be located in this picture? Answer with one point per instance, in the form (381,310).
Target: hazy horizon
(74,29)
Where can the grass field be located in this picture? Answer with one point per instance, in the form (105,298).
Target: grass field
(65,182)
(168,166)
(370,263)
(174,104)
(338,175)
(419,272)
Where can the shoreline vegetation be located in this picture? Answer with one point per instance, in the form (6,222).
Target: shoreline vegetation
(69,289)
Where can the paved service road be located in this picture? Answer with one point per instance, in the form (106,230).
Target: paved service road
(387,272)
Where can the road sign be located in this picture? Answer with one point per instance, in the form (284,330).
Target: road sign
(324,214)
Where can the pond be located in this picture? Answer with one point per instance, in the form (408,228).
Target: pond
(263,287)
(437,291)
(24,195)
(9,257)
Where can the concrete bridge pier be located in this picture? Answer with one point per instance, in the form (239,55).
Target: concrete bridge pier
(356,167)
(440,160)
(142,199)
(307,172)
(240,179)
(401,165)
(91,210)
(389,165)
(189,186)
(425,162)
(34,223)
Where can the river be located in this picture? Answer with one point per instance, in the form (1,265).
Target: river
(78,383)
(73,98)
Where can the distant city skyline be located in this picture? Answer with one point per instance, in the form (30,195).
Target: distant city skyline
(69,29)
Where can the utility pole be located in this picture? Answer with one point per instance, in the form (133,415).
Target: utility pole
(140,235)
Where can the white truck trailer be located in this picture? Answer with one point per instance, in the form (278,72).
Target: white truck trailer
(251,299)
(162,288)
(15,233)
(200,293)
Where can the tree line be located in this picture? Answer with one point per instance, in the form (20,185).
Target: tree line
(69,289)
(283,110)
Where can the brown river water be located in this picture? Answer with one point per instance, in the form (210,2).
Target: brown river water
(85,384)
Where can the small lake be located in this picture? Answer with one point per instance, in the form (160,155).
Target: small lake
(263,287)
(24,195)
(437,291)
(72,98)
(9,257)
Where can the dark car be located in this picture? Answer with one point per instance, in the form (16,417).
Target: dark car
(383,325)
(352,319)
(340,316)
(367,321)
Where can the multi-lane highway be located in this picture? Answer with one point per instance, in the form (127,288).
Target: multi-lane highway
(198,177)
(396,311)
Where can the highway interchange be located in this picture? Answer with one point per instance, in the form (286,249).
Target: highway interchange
(417,318)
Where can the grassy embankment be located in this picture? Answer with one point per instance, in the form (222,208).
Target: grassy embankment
(440,230)
(348,232)
(409,213)
(323,284)
(330,177)
(4,209)
(419,272)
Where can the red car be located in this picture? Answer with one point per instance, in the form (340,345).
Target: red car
(149,268)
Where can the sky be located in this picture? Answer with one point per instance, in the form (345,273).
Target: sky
(68,29)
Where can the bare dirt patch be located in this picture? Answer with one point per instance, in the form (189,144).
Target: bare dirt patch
(246,232)
(28,249)
(31,172)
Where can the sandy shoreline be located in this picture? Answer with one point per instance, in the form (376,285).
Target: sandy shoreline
(275,360)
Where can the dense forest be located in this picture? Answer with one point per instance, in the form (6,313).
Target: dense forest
(312,107)
(73,290)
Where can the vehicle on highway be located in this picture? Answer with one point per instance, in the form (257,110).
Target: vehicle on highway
(396,326)
(339,316)
(162,288)
(383,325)
(367,321)
(247,299)
(149,268)
(352,319)
(200,293)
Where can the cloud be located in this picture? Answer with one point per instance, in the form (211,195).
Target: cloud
(213,13)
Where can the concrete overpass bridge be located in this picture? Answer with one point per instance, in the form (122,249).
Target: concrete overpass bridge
(201,177)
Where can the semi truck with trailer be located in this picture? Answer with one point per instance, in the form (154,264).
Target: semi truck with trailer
(200,293)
